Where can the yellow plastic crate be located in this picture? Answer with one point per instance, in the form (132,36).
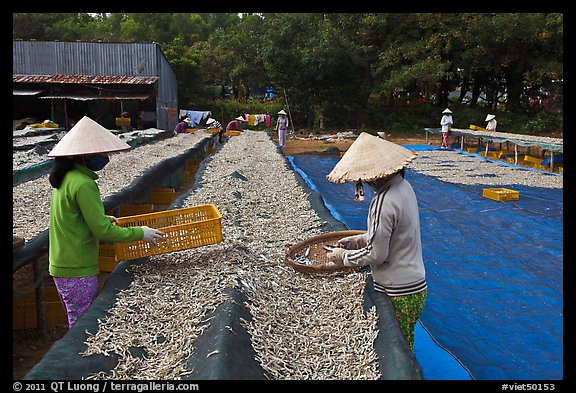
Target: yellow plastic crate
(24,309)
(477,128)
(212,130)
(233,132)
(184,228)
(500,194)
(132,210)
(535,161)
(192,164)
(191,130)
(123,121)
(163,196)
(107,257)
(560,169)
(471,150)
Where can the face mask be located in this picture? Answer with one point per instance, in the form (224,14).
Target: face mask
(97,162)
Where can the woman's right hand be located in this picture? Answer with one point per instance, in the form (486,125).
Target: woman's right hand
(151,235)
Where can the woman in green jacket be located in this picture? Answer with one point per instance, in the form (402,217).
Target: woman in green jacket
(77,219)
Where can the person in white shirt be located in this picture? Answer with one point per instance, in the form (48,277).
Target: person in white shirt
(446,123)
(491,126)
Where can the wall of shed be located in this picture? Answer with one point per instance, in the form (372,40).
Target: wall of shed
(106,59)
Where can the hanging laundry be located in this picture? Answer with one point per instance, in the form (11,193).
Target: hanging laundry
(196,117)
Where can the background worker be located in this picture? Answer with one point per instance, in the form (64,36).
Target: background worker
(235,124)
(213,124)
(446,123)
(282,127)
(181,126)
(491,126)
(77,220)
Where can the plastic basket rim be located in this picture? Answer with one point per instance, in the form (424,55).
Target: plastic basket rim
(163,213)
(291,249)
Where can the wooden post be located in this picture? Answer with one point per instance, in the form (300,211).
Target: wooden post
(462,143)
(515,154)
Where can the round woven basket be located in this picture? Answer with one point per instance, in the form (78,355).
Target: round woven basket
(309,256)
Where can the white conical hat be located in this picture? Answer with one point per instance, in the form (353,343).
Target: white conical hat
(370,158)
(490,117)
(87,137)
(282,112)
(447,111)
(210,121)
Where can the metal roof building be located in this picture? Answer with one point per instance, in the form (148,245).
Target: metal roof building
(63,81)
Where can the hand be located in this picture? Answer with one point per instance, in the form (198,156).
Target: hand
(151,235)
(351,242)
(336,256)
(113,219)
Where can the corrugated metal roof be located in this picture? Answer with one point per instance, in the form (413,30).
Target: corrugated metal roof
(88,79)
(110,96)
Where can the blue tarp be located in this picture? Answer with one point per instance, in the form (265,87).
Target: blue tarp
(494,270)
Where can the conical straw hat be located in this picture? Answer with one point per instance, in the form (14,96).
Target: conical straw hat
(370,158)
(490,117)
(87,137)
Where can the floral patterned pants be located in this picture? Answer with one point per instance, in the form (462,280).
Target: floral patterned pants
(408,309)
(77,294)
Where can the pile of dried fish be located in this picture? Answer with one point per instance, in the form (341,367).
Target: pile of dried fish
(458,168)
(31,200)
(303,327)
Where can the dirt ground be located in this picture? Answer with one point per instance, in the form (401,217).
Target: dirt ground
(295,145)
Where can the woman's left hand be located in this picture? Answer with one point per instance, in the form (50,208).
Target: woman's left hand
(113,219)
(336,256)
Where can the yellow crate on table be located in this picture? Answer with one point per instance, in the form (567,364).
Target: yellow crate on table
(534,161)
(471,150)
(212,130)
(184,228)
(123,121)
(233,132)
(500,194)
(477,128)
(132,210)
(191,130)
(163,196)
(502,153)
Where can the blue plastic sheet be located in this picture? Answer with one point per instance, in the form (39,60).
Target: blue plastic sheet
(494,270)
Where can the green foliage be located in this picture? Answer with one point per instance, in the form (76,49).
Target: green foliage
(345,70)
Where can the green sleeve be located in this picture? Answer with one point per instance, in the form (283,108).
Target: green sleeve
(90,203)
